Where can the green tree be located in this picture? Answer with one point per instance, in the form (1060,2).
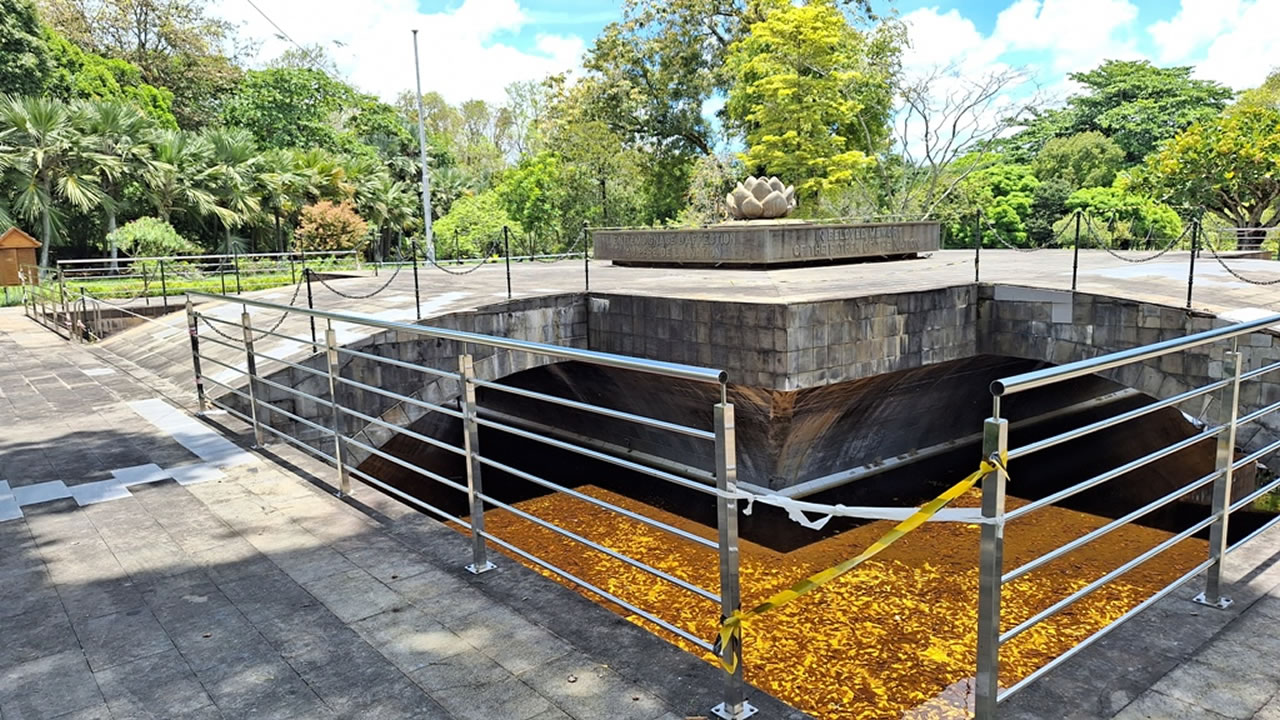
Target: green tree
(1119,216)
(231,178)
(49,158)
(1230,165)
(532,194)
(288,107)
(1135,104)
(177,44)
(475,222)
(1088,159)
(1048,205)
(812,94)
(1004,194)
(82,75)
(177,184)
(118,132)
(25,64)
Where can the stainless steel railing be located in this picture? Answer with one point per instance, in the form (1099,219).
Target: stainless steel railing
(992,575)
(329,443)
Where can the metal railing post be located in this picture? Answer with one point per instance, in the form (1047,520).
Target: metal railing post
(306,273)
(977,245)
(164,287)
(1075,253)
(84,311)
(251,363)
(1229,411)
(1191,267)
(995,444)
(417,294)
(193,329)
(471,444)
(735,705)
(506,243)
(586,257)
(146,285)
(66,308)
(331,352)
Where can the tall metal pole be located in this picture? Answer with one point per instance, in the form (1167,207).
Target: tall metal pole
(471,446)
(417,294)
(977,245)
(422,147)
(1075,253)
(1191,267)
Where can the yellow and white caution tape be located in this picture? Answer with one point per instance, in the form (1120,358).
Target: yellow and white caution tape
(731,627)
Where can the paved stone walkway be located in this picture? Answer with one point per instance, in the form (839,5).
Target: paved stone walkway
(252,592)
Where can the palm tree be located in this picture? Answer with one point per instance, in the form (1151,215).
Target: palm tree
(282,187)
(388,204)
(47,153)
(180,162)
(447,185)
(231,178)
(118,132)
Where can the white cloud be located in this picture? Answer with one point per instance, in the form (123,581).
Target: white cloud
(1075,34)
(462,57)
(938,39)
(1235,42)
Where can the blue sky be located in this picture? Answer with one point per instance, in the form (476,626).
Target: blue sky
(473,48)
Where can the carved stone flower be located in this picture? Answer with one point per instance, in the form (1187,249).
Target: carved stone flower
(761,199)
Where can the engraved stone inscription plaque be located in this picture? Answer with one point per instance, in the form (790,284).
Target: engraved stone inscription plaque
(766,244)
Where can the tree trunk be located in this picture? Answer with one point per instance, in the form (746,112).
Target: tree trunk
(111,240)
(46,226)
(227,229)
(279,237)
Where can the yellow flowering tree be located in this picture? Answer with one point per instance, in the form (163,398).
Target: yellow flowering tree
(811,94)
(1229,165)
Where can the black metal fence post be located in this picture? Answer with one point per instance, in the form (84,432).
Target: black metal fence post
(306,272)
(164,287)
(1075,254)
(977,245)
(1191,266)
(222,273)
(586,257)
(146,285)
(417,295)
(235,261)
(506,243)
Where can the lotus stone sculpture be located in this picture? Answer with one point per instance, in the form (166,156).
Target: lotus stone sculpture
(761,199)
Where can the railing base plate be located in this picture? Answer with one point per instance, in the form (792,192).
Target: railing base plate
(475,569)
(1222,604)
(721,711)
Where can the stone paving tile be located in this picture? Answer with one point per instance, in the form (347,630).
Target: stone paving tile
(156,686)
(588,689)
(116,639)
(409,638)
(48,687)
(510,699)
(36,634)
(353,595)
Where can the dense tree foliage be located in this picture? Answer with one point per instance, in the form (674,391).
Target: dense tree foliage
(116,110)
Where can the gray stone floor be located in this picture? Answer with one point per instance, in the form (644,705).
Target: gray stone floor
(261,595)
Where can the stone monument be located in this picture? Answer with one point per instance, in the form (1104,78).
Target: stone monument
(759,235)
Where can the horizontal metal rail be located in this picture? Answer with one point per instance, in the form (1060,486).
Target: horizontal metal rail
(406,464)
(403,431)
(1115,420)
(228,388)
(1263,528)
(296,393)
(1256,455)
(605,457)
(289,363)
(683,584)
(402,398)
(1079,647)
(1114,473)
(223,343)
(392,489)
(1247,500)
(610,597)
(1259,413)
(184,258)
(282,336)
(598,410)
(1260,371)
(1106,529)
(216,361)
(1092,587)
(598,502)
(654,367)
(399,363)
(1038,378)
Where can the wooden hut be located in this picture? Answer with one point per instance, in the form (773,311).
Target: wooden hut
(17,250)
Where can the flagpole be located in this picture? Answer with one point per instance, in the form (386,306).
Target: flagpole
(422,146)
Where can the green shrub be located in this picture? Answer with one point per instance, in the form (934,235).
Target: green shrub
(326,226)
(152,237)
